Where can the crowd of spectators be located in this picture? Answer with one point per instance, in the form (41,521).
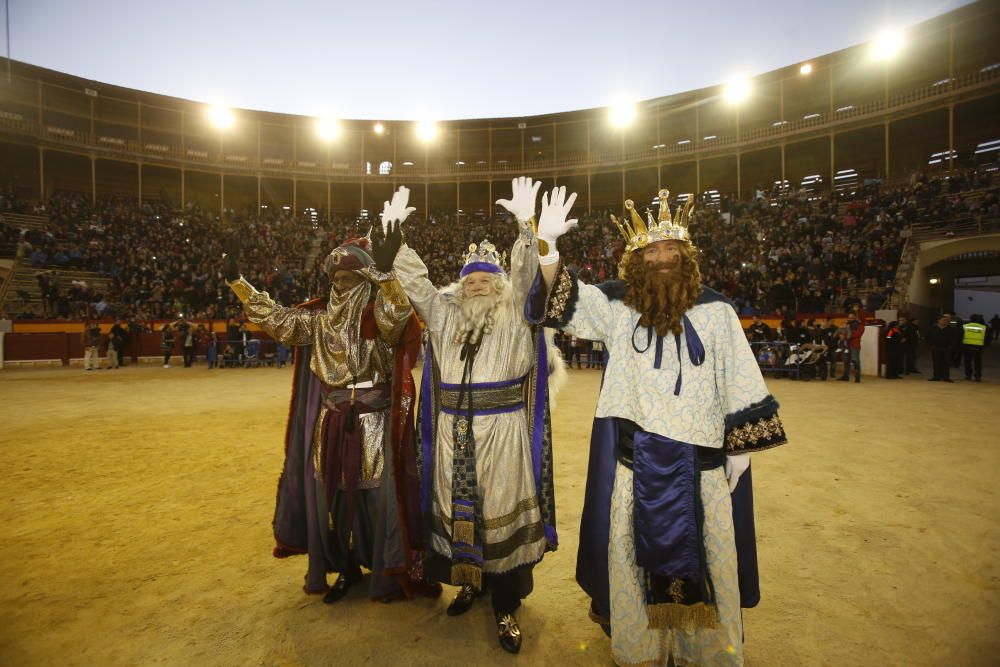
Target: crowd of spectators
(779,253)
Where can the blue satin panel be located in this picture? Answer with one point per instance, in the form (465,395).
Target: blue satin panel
(665,516)
(595,522)
(746,540)
(426,430)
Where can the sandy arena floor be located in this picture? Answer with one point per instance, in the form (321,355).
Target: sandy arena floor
(136,511)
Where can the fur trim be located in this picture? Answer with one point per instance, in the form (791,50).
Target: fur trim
(557,368)
(766,407)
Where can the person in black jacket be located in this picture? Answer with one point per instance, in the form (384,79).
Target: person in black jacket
(911,346)
(758,331)
(895,340)
(167,344)
(941,337)
(119,337)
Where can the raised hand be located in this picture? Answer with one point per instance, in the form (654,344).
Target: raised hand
(396,210)
(522,201)
(384,249)
(552,222)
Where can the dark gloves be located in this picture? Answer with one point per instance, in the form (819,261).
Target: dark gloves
(230,264)
(384,250)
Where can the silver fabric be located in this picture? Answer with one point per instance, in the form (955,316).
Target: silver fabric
(341,355)
(514,534)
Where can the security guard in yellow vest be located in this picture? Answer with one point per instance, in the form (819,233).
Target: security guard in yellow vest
(974,338)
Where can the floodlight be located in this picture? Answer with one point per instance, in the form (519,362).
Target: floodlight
(622,115)
(220,117)
(737,90)
(379,128)
(328,129)
(426,131)
(934,281)
(807,68)
(887,45)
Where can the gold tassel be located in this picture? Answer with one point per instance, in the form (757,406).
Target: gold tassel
(684,617)
(463,531)
(463,573)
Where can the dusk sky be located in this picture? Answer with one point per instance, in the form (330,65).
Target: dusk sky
(436,60)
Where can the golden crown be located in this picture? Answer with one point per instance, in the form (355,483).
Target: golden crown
(641,233)
(483,257)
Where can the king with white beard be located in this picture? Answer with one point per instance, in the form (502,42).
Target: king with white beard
(485,456)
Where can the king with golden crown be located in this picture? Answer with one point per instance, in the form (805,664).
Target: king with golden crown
(667,550)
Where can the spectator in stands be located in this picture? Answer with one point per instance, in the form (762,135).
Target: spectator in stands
(758,331)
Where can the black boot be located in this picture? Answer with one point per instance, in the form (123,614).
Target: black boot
(463,600)
(509,633)
(341,586)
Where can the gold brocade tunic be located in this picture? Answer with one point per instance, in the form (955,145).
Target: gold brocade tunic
(341,355)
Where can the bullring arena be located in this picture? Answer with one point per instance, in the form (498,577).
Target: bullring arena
(147,540)
(853,192)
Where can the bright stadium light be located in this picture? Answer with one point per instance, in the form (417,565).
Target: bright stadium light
(379,128)
(426,131)
(328,129)
(622,115)
(220,117)
(806,69)
(737,90)
(887,45)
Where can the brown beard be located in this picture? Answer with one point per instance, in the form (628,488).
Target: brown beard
(662,299)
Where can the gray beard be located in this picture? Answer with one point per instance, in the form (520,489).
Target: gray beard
(477,315)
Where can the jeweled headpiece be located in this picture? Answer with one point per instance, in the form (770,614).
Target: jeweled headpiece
(351,255)
(483,257)
(640,233)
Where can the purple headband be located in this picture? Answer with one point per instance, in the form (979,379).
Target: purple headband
(488,267)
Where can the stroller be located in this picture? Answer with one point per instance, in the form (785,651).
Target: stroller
(767,357)
(251,354)
(810,360)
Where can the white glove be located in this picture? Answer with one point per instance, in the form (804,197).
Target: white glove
(552,222)
(522,202)
(396,210)
(736,465)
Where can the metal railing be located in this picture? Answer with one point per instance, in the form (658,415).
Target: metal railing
(25,220)
(940,230)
